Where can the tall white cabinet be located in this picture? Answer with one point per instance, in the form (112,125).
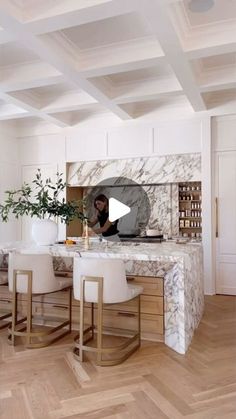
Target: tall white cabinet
(226,223)
(224,136)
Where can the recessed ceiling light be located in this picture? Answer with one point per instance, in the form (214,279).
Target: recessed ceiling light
(201,6)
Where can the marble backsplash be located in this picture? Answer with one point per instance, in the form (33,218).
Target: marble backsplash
(159,177)
(144,170)
(163,205)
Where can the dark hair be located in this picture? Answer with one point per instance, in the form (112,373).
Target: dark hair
(101,198)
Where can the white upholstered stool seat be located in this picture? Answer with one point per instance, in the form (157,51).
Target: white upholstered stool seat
(5,313)
(103,281)
(33,274)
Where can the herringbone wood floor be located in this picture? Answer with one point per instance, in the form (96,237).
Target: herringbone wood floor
(154,383)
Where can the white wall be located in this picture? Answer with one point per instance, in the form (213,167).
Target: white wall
(9,179)
(131,140)
(48,153)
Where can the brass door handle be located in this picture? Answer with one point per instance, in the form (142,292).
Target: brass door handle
(217,227)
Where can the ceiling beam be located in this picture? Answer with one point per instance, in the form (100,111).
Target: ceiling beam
(71,18)
(28,75)
(157,14)
(59,61)
(201,52)
(136,64)
(79,17)
(32,110)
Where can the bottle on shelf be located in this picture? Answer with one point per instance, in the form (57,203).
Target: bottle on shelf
(190,212)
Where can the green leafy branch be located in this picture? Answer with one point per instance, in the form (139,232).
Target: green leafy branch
(42,200)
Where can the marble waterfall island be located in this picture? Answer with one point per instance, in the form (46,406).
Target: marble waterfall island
(181,266)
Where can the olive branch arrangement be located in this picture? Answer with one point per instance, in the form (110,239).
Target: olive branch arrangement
(42,200)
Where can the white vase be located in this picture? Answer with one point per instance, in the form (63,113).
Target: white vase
(44,232)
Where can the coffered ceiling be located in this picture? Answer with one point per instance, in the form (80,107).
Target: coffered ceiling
(65,61)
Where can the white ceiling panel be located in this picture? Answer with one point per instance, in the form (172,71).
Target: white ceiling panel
(135,76)
(14,53)
(108,31)
(39,9)
(65,62)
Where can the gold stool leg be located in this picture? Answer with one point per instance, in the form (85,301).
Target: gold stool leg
(29,310)
(139,320)
(99,326)
(81,327)
(14,311)
(70,308)
(92,319)
(117,353)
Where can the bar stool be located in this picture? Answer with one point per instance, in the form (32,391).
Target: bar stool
(103,281)
(32,274)
(6,314)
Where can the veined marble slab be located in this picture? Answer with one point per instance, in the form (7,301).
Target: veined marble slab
(144,170)
(180,265)
(164,205)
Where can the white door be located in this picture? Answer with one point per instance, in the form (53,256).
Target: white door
(226,221)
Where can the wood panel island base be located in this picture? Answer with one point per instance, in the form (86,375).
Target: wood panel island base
(172,301)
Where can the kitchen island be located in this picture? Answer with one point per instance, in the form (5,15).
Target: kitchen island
(180,266)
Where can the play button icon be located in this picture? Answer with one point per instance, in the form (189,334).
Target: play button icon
(117,209)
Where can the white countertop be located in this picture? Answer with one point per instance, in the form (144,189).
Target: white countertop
(136,251)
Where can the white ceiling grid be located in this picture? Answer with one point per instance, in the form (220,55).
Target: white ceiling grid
(66,61)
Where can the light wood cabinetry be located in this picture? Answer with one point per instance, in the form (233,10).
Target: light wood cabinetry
(190,209)
(115,316)
(75,227)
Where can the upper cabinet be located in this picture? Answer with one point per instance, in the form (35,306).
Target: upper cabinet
(130,142)
(43,149)
(135,140)
(86,145)
(178,137)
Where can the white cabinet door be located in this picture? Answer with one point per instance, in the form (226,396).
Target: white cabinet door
(226,241)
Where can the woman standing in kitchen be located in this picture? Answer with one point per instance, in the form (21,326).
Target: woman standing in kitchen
(107,228)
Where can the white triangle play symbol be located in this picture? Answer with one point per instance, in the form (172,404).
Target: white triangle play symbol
(117,209)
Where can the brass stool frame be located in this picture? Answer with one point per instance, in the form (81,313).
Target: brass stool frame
(26,331)
(8,314)
(80,342)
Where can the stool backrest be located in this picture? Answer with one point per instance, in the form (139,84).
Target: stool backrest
(115,287)
(43,279)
